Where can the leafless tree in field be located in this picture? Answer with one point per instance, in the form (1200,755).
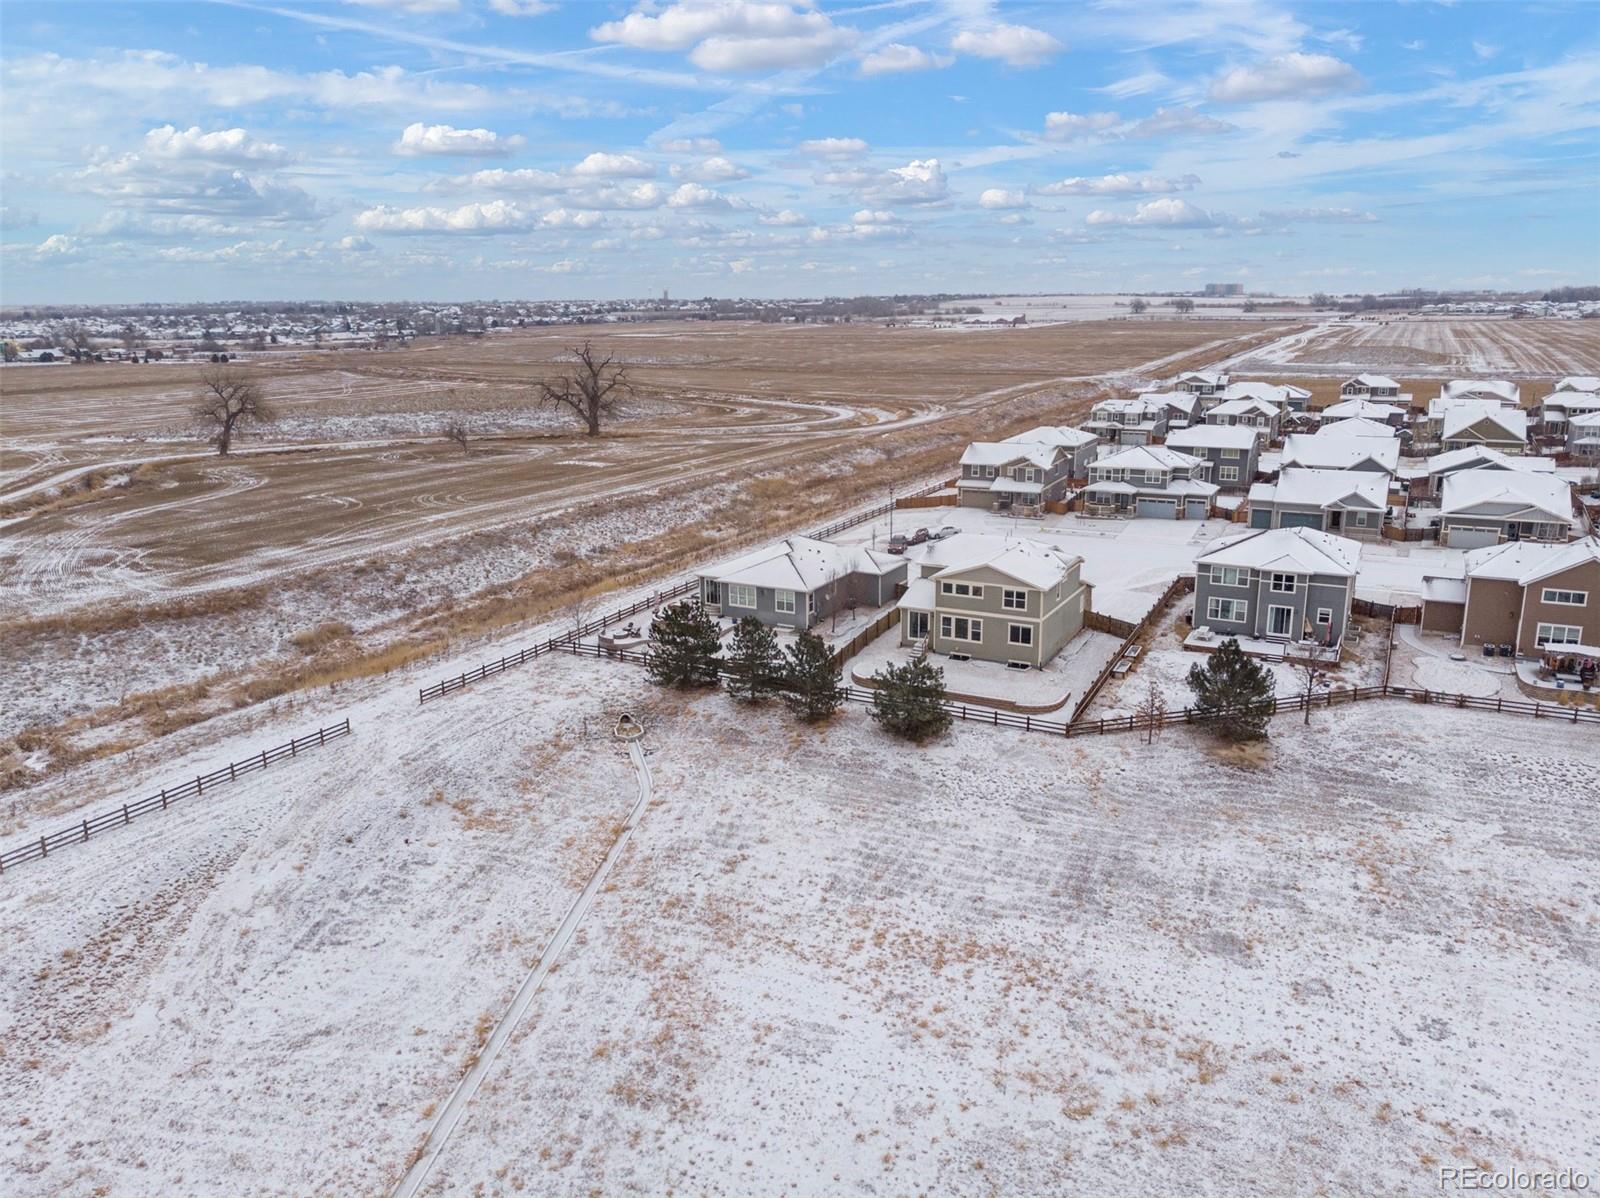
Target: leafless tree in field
(1137,306)
(229,398)
(1151,709)
(457,432)
(590,390)
(74,336)
(1185,306)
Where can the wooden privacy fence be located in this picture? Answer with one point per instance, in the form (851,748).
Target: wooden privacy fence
(865,637)
(600,623)
(1179,586)
(43,846)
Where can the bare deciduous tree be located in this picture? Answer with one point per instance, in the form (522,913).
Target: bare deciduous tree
(1137,306)
(1184,305)
(73,335)
(457,432)
(1151,709)
(228,399)
(590,390)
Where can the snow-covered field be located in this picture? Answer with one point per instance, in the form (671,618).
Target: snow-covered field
(826,963)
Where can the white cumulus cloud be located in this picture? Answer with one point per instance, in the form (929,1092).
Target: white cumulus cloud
(711,170)
(1014,45)
(1168,213)
(419,140)
(834,147)
(613,166)
(997,198)
(496,216)
(234,147)
(728,36)
(1070,126)
(788,218)
(897,58)
(1285,76)
(1119,185)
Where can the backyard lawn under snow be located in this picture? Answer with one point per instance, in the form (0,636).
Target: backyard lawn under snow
(1001,964)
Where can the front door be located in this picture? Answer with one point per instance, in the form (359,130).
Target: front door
(1335,520)
(1279,621)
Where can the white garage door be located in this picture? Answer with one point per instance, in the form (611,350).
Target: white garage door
(1467,537)
(1159,509)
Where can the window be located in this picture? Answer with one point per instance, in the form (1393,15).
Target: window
(1230,453)
(713,593)
(1325,615)
(1228,576)
(741,596)
(1283,584)
(960,588)
(1558,634)
(1231,610)
(1228,474)
(988,472)
(959,628)
(1014,600)
(783,602)
(1020,634)
(1358,518)
(1565,598)
(977,592)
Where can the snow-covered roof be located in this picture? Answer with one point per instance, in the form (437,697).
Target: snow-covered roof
(1270,393)
(999,453)
(1525,562)
(1320,451)
(1212,436)
(1212,378)
(1113,488)
(1058,436)
(1506,392)
(1372,382)
(1586,421)
(1016,486)
(1182,400)
(1444,590)
(1288,550)
(800,564)
(1355,426)
(1466,489)
(1573,401)
(1365,409)
(1247,406)
(1511,421)
(1319,488)
(1579,382)
(918,597)
(1136,406)
(1146,457)
(1028,562)
(1486,457)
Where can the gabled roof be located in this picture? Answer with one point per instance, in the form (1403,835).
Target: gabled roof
(1056,435)
(1212,436)
(1213,378)
(1371,381)
(1573,401)
(1247,406)
(1289,551)
(1579,382)
(1028,562)
(799,564)
(1270,393)
(1146,457)
(1486,457)
(1525,562)
(1184,400)
(1355,426)
(1365,409)
(1505,391)
(1546,493)
(1320,488)
(1320,451)
(1586,421)
(1513,422)
(1141,404)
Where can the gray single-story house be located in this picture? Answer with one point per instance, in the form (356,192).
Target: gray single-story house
(798,582)
(1351,503)
(1486,507)
(1284,584)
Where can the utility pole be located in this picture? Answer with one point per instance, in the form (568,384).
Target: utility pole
(891,511)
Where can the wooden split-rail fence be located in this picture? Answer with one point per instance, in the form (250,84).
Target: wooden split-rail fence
(43,846)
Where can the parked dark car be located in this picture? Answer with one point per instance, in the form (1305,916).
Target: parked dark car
(919,537)
(899,543)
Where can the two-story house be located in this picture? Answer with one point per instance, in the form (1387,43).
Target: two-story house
(1232,450)
(1291,585)
(1027,470)
(1467,424)
(1372,386)
(1364,409)
(1583,436)
(1264,417)
(1204,383)
(1343,446)
(1127,421)
(1560,407)
(1150,480)
(799,581)
(1500,391)
(1352,503)
(1285,396)
(1533,596)
(1474,457)
(1181,406)
(1018,605)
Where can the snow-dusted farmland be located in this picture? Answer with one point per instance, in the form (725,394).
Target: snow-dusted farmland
(1432,347)
(1002,964)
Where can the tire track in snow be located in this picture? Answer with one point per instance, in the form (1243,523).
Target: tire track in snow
(467,1088)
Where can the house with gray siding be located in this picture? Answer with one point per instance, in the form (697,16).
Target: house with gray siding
(799,581)
(1232,451)
(1363,409)
(1373,386)
(1348,445)
(1288,585)
(1127,421)
(1583,436)
(1018,605)
(1150,480)
(1562,406)
(1265,417)
(1201,382)
(1351,503)
(1477,457)
(1487,507)
(1284,396)
(1182,408)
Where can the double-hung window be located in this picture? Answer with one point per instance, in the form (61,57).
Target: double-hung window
(1230,610)
(1558,634)
(960,628)
(1014,600)
(1564,597)
(961,588)
(1283,584)
(740,596)
(1228,576)
(783,602)
(1020,634)
(1228,474)
(1324,616)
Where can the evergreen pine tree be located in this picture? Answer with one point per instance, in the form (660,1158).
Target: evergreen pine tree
(755,667)
(909,700)
(811,680)
(684,646)
(1233,693)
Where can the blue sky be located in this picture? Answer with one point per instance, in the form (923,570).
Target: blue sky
(523,148)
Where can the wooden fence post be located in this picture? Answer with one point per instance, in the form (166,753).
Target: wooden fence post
(199,785)
(125,818)
(86,829)
(163,798)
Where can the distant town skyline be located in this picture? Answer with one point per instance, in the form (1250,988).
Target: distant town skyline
(460,149)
